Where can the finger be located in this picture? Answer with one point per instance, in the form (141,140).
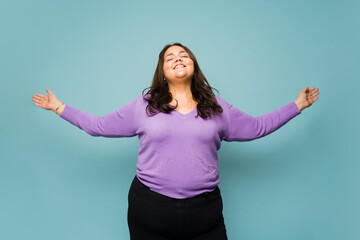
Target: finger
(49,91)
(305,89)
(39,98)
(313,99)
(315,90)
(45,97)
(313,94)
(39,105)
(42,97)
(36,97)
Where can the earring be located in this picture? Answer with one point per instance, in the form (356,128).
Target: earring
(164,81)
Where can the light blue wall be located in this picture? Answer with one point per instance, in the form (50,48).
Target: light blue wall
(300,182)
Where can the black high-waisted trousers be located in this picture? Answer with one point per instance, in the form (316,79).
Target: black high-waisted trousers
(153,216)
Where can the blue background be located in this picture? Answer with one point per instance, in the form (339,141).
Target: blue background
(300,182)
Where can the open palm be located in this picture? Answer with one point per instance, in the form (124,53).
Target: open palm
(46,102)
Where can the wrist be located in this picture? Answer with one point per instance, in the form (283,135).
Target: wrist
(59,108)
(299,105)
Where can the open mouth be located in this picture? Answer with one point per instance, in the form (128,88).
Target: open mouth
(179,66)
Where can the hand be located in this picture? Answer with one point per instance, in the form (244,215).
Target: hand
(306,98)
(50,102)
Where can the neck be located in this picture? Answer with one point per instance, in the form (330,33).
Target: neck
(181,90)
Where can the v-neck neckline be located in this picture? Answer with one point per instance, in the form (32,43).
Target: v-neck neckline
(186,114)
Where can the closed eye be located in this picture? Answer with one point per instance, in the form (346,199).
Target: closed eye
(172,58)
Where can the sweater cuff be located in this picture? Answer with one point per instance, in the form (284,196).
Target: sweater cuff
(291,110)
(67,113)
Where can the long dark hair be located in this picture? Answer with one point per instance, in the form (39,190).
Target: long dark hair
(158,96)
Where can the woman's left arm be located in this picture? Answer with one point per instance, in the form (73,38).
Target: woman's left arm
(244,127)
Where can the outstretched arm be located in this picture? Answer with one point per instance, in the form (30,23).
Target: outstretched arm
(119,123)
(244,127)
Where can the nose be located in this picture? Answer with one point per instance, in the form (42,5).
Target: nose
(178,59)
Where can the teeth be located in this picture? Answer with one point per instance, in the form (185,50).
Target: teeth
(179,66)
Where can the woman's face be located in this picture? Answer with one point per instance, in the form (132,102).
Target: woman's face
(178,66)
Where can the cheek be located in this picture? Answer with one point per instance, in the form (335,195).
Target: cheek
(190,63)
(166,68)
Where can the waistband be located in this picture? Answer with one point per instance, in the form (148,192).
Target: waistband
(203,196)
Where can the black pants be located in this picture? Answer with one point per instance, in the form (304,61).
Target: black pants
(153,216)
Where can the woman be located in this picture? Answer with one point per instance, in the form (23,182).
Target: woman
(180,123)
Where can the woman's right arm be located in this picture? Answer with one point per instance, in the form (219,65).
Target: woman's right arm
(119,123)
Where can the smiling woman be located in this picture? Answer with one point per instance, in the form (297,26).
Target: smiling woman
(178,66)
(179,84)
(175,193)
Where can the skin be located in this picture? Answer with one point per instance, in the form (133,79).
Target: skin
(179,82)
(307,97)
(50,102)
(179,79)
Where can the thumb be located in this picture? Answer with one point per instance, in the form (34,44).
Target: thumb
(49,92)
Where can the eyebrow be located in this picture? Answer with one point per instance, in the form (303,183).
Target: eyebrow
(173,53)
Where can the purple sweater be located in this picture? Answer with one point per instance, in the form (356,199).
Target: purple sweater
(178,153)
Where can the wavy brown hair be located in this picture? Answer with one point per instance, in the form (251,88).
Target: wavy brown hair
(158,96)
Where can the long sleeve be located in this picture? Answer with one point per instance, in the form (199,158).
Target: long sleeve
(119,123)
(243,127)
